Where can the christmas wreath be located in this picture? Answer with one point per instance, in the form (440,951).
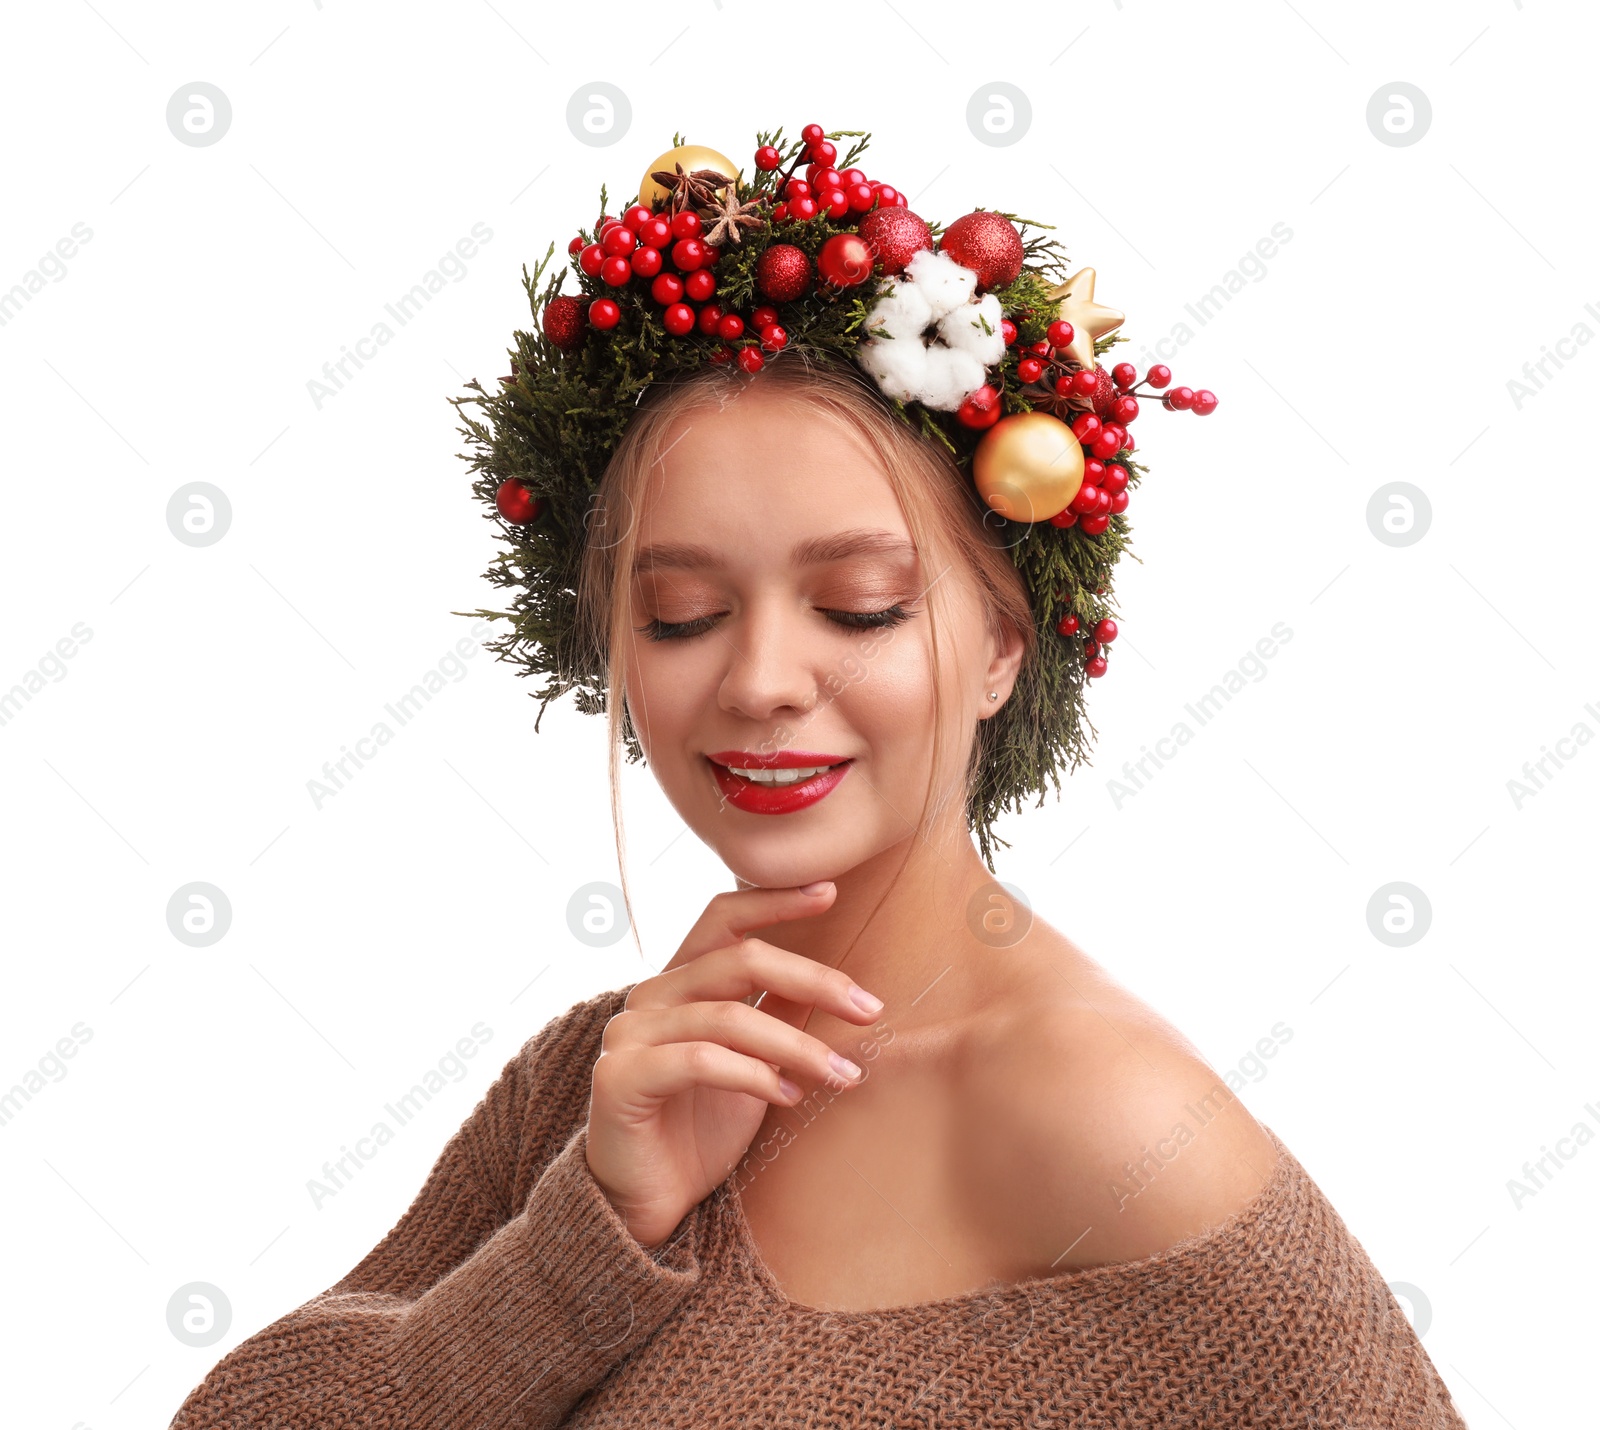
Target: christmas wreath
(975,334)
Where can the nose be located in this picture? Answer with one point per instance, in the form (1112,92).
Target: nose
(771,670)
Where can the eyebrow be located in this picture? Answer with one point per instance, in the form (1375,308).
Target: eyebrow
(813,551)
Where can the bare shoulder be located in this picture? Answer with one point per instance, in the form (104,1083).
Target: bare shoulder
(1096,1133)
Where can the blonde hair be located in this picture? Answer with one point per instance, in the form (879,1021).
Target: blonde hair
(941,508)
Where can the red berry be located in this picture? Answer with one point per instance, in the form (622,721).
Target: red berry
(646,262)
(824,152)
(678,319)
(686,225)
(603,313)
(656,232)
(825,178)
(1205,403)
(667,289)
(1085,380)
(1119,501)
(1094,471)
(1105,631)
(729,327)
(576,245)
(1104,503)
(1091,649)
(700,285)
(1096,667)
(780,213)
(722,354)
(1041,348)
(750,359)
(619,241)
(768,157)
(688,253)
(1126,407)
(1067,625)
(1094,525)
(516,503)
(1028,369)
(763,317)
(1124,374)
(591,259)
(636,217)
(1105,444)
(1159,376)
(797,189)
(1008,331)
(802,209)
(891,198)
(1060,333)
(1085,427)
(1064,385)
(708,318)
(712,255)
(835,202)
(811,134)
(616,271)
(1065,517)
(1087,500)
(1180,399)
(860,197)
(1114,480)
(773,338)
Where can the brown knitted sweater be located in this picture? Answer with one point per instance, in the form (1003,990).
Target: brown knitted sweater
(511,1296)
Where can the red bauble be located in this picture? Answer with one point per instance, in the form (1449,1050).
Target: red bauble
(844,260)
(516,503)
(980,408)
(988,244)
(1105,393)
(564,323)
(894,235)
(783,273)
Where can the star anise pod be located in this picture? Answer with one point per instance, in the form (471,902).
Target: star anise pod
(697,189)
(731,216)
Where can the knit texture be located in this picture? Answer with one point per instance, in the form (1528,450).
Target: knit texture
(511,1296)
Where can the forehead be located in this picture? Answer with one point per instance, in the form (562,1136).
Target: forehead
(767,477)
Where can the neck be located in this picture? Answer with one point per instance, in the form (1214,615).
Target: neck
(905,920)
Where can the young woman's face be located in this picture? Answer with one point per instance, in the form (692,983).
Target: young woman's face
(795,630)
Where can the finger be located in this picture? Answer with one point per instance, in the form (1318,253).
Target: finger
(654,1074)
(733,914)
(740,1028)
(733,971)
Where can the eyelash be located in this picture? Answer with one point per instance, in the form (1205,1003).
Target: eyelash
(658,630)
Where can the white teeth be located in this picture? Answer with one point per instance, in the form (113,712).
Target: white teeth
(780,777)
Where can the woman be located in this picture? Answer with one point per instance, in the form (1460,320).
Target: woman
(877,1146)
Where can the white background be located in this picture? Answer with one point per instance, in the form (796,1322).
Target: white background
(371,934)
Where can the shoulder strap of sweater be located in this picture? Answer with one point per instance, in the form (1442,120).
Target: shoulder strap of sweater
(507,1291)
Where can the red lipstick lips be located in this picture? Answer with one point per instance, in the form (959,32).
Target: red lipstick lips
(758,798)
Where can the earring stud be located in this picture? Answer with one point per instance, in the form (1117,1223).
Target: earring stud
(994,695)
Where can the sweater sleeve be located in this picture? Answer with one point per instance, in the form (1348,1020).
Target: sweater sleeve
(507,1291)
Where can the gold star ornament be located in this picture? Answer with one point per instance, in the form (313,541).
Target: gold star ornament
(1074,303)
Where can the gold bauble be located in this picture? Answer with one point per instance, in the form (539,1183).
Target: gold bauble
(1028,466)
(692,157)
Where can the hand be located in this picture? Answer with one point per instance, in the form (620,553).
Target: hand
(687,1069)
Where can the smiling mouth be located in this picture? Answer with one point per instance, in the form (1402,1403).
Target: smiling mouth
(779,778)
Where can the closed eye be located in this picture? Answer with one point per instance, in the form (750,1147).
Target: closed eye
(658,630)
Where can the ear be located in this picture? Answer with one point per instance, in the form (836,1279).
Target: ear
(1005,660)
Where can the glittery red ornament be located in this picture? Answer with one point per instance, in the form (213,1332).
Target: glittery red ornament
(893,235)
(564,323)
(783,273)
(1105,393)
(988,244)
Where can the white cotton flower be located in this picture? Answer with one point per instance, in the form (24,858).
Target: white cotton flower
(931,342)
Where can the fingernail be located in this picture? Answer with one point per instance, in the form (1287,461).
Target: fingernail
(843,1066)
(818,887)
(864,1000)
(787,1088)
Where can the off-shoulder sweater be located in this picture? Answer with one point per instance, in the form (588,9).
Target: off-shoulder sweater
(511,1296)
